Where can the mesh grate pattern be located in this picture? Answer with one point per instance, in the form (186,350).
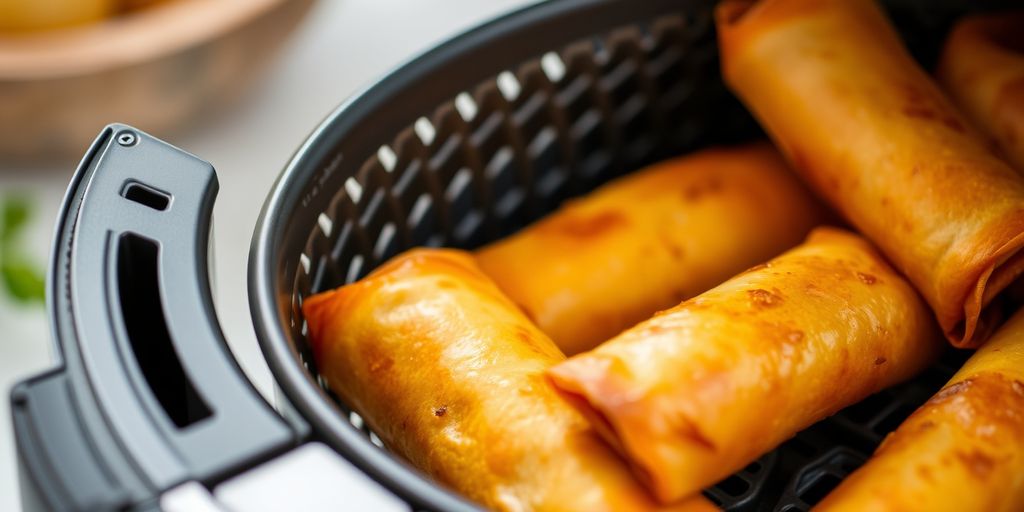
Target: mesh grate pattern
(508,150)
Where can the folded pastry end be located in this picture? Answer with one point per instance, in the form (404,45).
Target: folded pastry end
(984,307)
(571,378)
(599,388)
(833,85)
(788,342)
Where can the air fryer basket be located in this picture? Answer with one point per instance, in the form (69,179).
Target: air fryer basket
(493,129)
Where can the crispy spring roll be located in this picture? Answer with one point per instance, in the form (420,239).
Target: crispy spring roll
(702,389)
(450,375)
(982,68)
(834,87)
(962,451)
(651,239)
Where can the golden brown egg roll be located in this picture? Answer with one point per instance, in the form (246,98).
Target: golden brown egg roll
(982,68)
(833,85)
(646,241)
(962,451)
(702,389)
(449,374)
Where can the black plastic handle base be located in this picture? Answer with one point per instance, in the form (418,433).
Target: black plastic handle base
(146,394)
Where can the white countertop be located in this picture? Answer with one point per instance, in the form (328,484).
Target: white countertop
(341,46)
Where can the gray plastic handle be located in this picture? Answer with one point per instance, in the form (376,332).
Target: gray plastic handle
(147,394)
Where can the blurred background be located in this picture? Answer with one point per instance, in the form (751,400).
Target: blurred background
(240,83)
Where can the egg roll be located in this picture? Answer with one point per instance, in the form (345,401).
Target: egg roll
(982,68)
(450,375)
(961,451)
(700,390)
(646,241)
(832,84)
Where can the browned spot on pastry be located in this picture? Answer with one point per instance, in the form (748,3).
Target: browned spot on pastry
(919,112)
(696,191)
(977,462)
(949,391)
(675,251)
(880,361)
(799,159)
(764,298)
(376,360)
(913,95)
(379,365)
(440,411)
(921,105)
(815,290)
(930,115)
(528,339)
(653,329)
(952,123)
(986,405)
(867,278)
(580,226)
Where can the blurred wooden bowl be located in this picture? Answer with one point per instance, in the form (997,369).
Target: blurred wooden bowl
(155,68)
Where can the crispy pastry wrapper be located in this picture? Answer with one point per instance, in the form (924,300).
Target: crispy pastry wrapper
(449,374)
(702,389)
(646,241)
(961,451)
(982,68)
(834,87)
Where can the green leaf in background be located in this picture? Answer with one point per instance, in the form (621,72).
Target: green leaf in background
(15,214)
(22,280)
(18,276)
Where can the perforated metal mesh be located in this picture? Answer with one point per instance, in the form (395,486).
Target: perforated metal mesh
(508,150)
